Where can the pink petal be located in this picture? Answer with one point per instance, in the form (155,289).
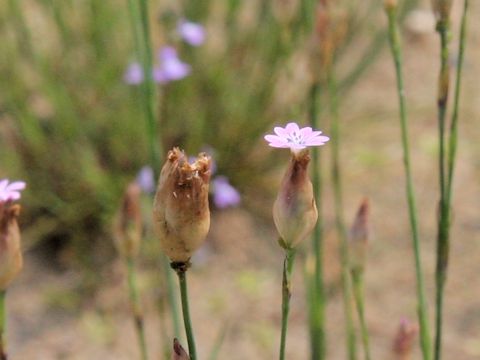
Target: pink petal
(3,185)
(292,127)
(15,186)
(306,132)
(312,135)
(276,141)
(317,141)
(280,131)
(14,195)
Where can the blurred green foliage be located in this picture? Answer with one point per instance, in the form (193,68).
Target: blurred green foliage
(76,133)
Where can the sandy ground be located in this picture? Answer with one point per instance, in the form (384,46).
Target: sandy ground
(235,282)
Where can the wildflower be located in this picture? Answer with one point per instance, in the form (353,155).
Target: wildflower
(359,238)
(404,339)
(192,33)
(295,138)
(10,191)
(181,213)
(178,352)
(145,179)
(11,260)
(134,74)
(128,224)
(224,194)
(171,68)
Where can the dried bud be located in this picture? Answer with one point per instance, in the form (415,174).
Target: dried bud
(11,260)
(128,224)
(441,9)
(359,238)
(404,339)
(180,211)
(178,352)
(294,210)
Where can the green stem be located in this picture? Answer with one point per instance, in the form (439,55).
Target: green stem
(357,279)
(137,313)
(443,28)
(3,315)
(169,277)
(286,294)
(317,300)
(339,221)
(421,298)
(182,278)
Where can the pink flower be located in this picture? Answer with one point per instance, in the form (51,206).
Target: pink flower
(295,138)
(192,33)
(10,191)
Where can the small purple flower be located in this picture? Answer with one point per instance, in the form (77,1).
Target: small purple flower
(10,191)
(145,179)
(134,74)
(295,138)
(171,67)
(192,33)
(224,194)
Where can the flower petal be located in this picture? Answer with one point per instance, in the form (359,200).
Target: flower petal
(292,127)
(17,185)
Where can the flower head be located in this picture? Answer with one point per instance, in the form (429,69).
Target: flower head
(358,240)
(179,352)
(134,74)
(192,33)
(11,260)
(145,179)
(224,194)
(295,138)
(171,68)
(10,191)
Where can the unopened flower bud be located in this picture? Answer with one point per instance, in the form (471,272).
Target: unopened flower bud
(359,238)
(128,224)
(442,8)
(11,260)
(180,210)
(390,4)
(178,352)
(294,211)
(404,339)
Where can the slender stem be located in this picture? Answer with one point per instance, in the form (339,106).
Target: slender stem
(3,315)
(394,38)
(317,300)
(286,294)
(169,277)
(137,313)
(182,278)
(357,279)
(339,221)
(443,29)
(149,86)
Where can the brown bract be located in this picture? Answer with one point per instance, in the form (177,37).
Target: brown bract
(178,352)
(128,223)
(442,9)
(11,260)
(294,211)
(181,213)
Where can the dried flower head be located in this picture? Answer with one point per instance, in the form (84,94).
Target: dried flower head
(404,339)
(441,9)
(294,211)
(181,213)
(128,223)
(179,352)
(11,260)
(295,138)
(359,238)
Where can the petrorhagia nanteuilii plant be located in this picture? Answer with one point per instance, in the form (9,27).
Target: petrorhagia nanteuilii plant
(181,217)
(404,339)
(11,259)
(294,211)
(395,46)
(127,236)
(179,352)
(357,250)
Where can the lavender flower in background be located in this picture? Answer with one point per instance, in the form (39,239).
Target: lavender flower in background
(295,138)
(11,191)
(134,74)
(171,68)
(192,33)
(224,194)
(145,179)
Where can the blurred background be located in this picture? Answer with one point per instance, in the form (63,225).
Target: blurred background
(72,125)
